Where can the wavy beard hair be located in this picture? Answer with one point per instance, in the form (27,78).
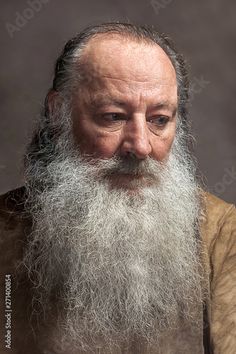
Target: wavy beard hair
(118,265)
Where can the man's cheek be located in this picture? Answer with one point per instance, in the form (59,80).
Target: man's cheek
(162,146)
(105,147)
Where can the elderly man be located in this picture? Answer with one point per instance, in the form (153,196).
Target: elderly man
(112,246)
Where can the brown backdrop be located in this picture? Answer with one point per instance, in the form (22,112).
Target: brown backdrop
(34,31)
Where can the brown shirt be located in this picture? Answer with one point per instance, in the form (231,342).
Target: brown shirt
(20,335)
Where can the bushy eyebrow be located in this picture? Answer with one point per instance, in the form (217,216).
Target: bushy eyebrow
(165,105)
(101,101)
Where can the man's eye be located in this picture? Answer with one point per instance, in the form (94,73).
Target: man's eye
(113,117)
(111,120)
(159,121)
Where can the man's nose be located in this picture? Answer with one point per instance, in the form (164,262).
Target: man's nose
(136,138)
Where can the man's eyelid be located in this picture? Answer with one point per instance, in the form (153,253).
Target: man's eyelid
(120,115)
(157,116)
(163,112)
(109,109)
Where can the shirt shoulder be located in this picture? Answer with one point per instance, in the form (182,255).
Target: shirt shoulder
(217,216)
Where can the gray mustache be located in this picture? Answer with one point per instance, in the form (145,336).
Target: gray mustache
(130,165)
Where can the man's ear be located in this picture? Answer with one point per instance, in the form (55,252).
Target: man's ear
(52,104)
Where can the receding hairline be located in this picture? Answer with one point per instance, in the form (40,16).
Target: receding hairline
(125,37)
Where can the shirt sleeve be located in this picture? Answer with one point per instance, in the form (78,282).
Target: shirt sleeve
(223,286)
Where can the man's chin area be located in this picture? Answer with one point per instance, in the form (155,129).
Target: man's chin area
(132,183)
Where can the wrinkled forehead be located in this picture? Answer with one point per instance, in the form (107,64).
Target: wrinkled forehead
(118,57)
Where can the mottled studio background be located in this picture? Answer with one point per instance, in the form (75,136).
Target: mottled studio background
(33,33)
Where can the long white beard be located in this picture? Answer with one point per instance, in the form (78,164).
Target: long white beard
(121,264)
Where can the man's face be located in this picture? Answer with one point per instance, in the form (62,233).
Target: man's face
(127,100)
